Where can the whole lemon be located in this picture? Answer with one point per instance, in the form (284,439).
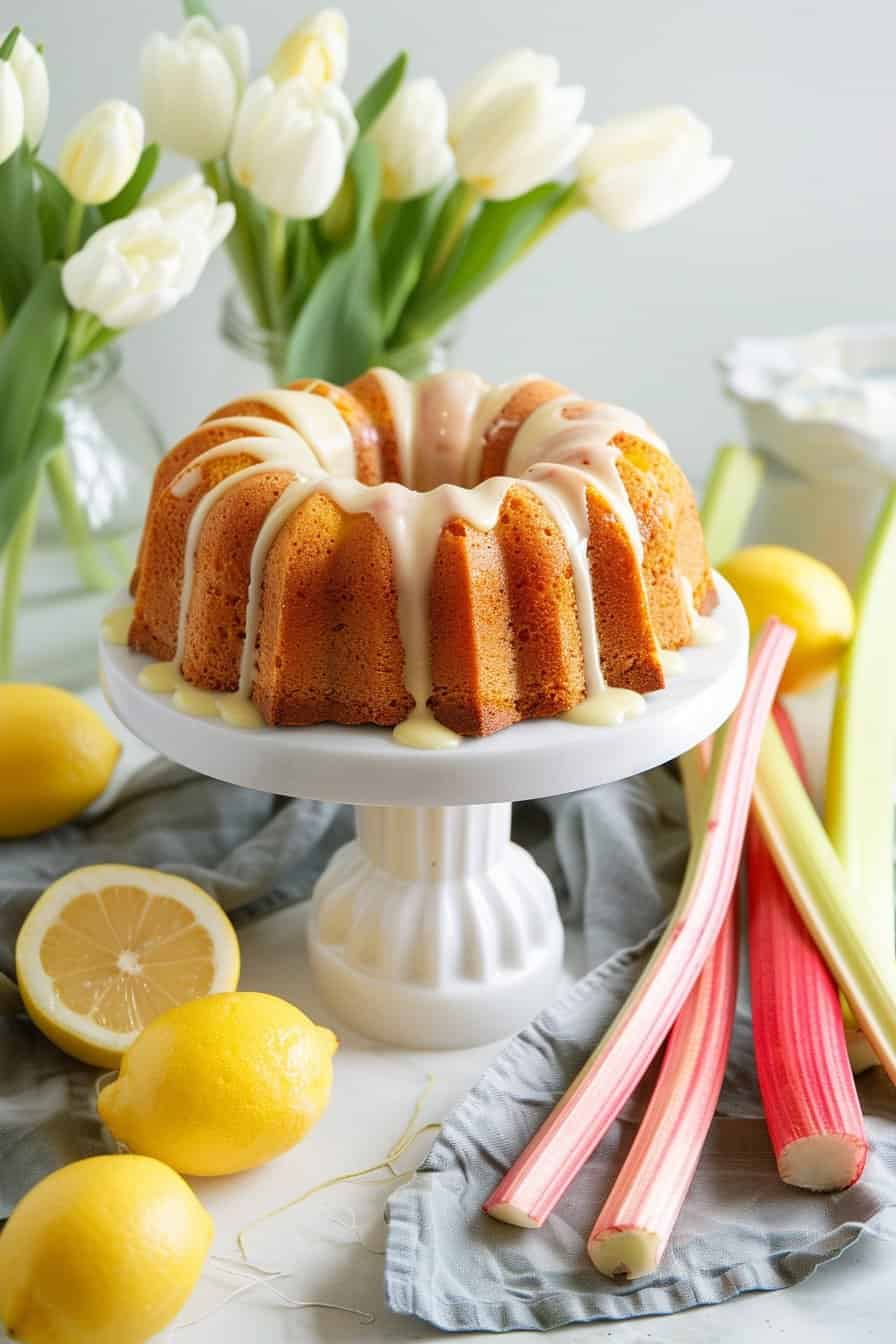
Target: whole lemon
(105,1251)
(221,1084)
(804,593)
(56,756)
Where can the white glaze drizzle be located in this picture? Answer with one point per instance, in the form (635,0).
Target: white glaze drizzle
(401,399)
(557,457)
(319,423)
(672,661)
(704,630)
(445,408)
(116,625)
(491,403)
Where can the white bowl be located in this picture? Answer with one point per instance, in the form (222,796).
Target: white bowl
(821,410)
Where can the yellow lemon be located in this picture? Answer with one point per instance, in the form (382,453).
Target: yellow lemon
(56,757)
(105,1251)
(222,1084)
(108,948)
(804,593)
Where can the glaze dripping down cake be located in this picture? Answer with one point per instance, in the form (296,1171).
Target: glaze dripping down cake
(438,553)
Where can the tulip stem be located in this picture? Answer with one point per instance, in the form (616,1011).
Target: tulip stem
(454,215)
(239,243)
(91,570)
(73,227)
(13,572)
(277,239)
(569,204)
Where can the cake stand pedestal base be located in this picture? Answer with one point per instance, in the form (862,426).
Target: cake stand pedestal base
(432,928)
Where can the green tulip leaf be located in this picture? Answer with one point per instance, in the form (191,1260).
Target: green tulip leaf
(198,9)
(403,251)
(53,204)
(338,330)
(131,193)
(30,356)
(21,242)
(19,483)
(364,167)
(9,43)
(497,238)
(381,92)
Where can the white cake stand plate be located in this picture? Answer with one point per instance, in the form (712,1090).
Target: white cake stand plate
(431,929)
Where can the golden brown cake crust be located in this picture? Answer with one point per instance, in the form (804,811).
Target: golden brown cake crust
(505,639)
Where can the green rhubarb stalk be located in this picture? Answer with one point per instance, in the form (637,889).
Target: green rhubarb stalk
(814,876)
(859,796)
(728,499)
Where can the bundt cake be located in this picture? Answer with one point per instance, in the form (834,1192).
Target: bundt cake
(444,555)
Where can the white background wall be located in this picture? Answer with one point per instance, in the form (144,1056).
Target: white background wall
(799,92)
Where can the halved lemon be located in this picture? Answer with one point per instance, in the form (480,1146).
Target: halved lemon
(108,948)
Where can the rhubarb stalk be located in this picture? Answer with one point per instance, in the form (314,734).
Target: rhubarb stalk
(859,795)
(634,1225)
(814,876)
(545,1168)
(808,1093)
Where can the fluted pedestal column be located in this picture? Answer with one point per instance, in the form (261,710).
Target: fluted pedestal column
(432,930)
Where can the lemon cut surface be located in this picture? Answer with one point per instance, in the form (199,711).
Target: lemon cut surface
(109,948)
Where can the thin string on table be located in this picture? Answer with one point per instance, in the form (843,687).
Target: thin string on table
(409,1135)
(261,1278)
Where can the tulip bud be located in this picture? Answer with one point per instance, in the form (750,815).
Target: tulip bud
(513,127)
(12,112)
(410,140)
(192,85)
(637,171)
(317,49)
(30,70)
(142,265)
(290,144)
(102,152)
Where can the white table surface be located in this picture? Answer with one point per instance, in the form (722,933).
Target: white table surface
(375,1090)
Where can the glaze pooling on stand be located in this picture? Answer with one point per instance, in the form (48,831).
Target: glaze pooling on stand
(563,451)
(704,630)
(116,625)
(610,706)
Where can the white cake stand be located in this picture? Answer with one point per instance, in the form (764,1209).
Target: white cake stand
(431,929)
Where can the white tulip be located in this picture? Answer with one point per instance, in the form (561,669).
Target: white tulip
(192,85)
(139,267)
(514,127)
(637,171)
(410,137)
(102,152)
(30,70)
(193,206)
(290,144)
(317,49)
(12,112)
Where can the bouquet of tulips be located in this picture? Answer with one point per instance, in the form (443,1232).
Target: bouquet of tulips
(85,252)
(362,230)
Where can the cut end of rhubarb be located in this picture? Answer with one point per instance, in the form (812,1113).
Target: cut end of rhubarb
(823,1161)
(508,1213)
(625,1252)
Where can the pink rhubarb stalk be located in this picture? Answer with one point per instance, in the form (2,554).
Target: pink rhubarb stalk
(634,1225)
(811,1107)
(545,1168)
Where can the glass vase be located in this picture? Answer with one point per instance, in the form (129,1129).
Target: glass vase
(263,347)
(76,543)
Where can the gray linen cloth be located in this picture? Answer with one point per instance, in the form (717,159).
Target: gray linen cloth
(615,856)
